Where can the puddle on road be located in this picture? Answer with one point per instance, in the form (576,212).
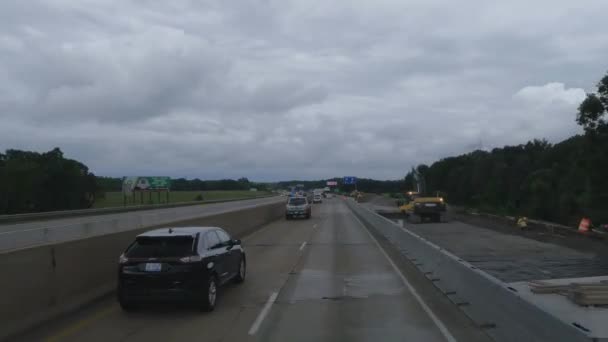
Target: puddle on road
(363,286)
(317,284)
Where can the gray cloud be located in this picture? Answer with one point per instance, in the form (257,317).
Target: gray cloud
(291,89)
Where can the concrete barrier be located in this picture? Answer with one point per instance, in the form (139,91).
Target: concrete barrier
(30,234)
(489,302)
(42,282)
(50,215)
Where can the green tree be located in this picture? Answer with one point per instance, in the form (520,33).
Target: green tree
(592,110)
(33,182)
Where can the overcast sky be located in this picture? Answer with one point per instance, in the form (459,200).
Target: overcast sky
(275,90)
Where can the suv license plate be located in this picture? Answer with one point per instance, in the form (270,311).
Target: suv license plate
(430,205)
(153,267)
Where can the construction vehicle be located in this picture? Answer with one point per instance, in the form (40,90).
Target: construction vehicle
(357,195)
(418,208)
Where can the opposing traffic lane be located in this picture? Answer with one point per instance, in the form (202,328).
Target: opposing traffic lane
(322,279)
(29,234)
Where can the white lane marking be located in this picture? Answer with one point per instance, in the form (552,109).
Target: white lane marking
(258,321)
(442,328)
(303,245)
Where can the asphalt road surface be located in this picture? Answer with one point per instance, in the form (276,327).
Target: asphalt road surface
(323,279)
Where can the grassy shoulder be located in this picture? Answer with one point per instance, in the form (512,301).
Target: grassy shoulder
(115,199)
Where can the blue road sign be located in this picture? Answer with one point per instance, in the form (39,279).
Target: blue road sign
(350,180)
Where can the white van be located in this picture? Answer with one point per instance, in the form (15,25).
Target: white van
(317,198)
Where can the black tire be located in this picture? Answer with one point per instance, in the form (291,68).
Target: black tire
(208,301)
(287,217)
(415,219)
(308,216)
(242,273)
(126,305)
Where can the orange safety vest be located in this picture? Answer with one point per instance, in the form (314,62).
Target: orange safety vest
(585,225)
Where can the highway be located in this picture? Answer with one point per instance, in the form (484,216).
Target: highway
(323,279)
(28,234)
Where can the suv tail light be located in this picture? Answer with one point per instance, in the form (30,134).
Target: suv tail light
(123,259)
(192,258)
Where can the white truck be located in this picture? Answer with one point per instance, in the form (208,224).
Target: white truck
(317,195)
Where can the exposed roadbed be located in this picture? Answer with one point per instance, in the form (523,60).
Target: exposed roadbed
(508,253)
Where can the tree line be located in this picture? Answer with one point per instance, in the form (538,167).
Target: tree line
(37,182)
(558,182)
(34,182)
(108,184)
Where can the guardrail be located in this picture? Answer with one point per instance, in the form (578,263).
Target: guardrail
(6,219)
(489,302)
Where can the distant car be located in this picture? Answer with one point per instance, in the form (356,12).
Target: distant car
(317,199)
(179,264)
(328,195)
(298,207)
(310,197)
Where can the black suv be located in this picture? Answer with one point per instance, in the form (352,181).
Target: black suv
(179,264)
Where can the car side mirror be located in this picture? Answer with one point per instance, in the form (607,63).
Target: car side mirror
(235,242)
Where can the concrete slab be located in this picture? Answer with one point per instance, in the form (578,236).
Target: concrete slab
(594,319)
(511,258)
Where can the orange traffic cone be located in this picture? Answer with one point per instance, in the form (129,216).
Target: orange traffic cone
(585,225)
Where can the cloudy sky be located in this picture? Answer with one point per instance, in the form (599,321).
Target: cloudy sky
(282,89)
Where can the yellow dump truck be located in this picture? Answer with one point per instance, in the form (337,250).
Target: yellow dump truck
(417,208)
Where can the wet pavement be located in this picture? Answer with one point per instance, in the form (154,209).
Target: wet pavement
(323,279)
(509,257)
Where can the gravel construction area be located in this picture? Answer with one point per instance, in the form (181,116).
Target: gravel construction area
(510,254)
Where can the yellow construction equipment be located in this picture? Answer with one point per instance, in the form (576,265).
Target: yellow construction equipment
(417,209)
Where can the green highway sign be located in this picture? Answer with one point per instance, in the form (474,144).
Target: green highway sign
(130,184)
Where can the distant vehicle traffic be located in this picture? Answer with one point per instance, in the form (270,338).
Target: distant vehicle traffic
(179,264)
(298,207)
(317,198)
(310,196)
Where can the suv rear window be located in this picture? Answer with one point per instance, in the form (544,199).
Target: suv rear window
(160,247)
(297,201)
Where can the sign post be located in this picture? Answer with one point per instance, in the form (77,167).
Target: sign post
(132,185)
(349,180)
